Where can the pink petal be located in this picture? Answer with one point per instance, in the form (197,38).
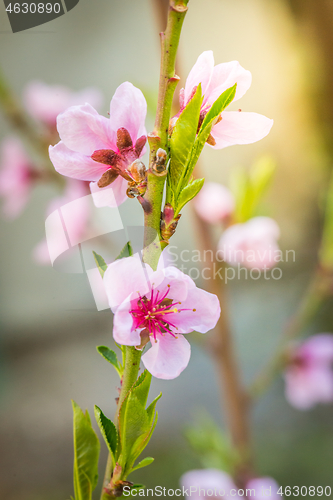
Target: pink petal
(318,348)
(238,127)
(167,357)
(202,314)
(124,277)
(45,102)
(122,325)
(224,76)
(305,387)
(208,480)
(110,196)
(90,95)
(264,488)
(128,109)
(76,165)
(214,203)
(200,73)
(83,130)
(263,228)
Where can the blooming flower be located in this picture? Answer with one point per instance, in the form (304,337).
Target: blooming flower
(252,243)
(214,203)
(309,376)
(95,148)
(159,306)
(76,224)
(16,176)
(213,483)
(235,127)
(45,102)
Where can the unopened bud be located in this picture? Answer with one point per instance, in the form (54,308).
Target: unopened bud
(159,166)
(138,170)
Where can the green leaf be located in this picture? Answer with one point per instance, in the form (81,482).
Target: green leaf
(111,357)
(188,193)
(86,453)
(127,251)
(143,463)
(151,408)
(219,105)
(133,425)
(102,267)
(183,137)
(142,386)
(109,432)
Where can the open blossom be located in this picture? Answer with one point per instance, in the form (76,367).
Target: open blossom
(103,150)
(234,127)
(253,243)
(309,376)
(15,176)
(76,224)
(159,306)
(214,483)
(214,203)
(45,102)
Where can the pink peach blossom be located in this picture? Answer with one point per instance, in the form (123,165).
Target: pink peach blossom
(253,243)
(45,102)
(235,127)
(78,221)
(160,306)
(15,177)
(309,376)
(95,148)
(214,483)
(214,203)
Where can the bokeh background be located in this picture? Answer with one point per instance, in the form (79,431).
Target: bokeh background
(49,322)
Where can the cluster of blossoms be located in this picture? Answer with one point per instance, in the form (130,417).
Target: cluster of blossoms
(213,483)
(252,243)
(309,373)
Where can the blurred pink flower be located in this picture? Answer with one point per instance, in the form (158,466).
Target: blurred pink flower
(213,483)
(253,243)
(309,376)
(235,127)
(214,203)
(45,102)
(95,148)
(76,225)
(15,177)
(158,306)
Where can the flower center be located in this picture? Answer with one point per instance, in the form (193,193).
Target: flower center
(153,313)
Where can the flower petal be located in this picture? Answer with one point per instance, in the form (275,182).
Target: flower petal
(202,314)
(123,277)
(167,357)
(224,76)
(76,165)
(128,109)
(123,323)
(200,73)
(110,196)
(208,480)
(83,130)
(240,128)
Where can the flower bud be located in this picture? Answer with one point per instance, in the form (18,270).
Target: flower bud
(138,170)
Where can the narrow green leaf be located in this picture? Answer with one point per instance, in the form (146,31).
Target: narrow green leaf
(141,387)
(188,193)
(143,463)
(111,357)
(127,251)
(326,250)
(102,267)
(86,453)
(219,105)
(151,408)
(109,432)
(183,137)
(134,424)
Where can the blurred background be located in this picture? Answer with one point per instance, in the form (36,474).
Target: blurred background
(49,322)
